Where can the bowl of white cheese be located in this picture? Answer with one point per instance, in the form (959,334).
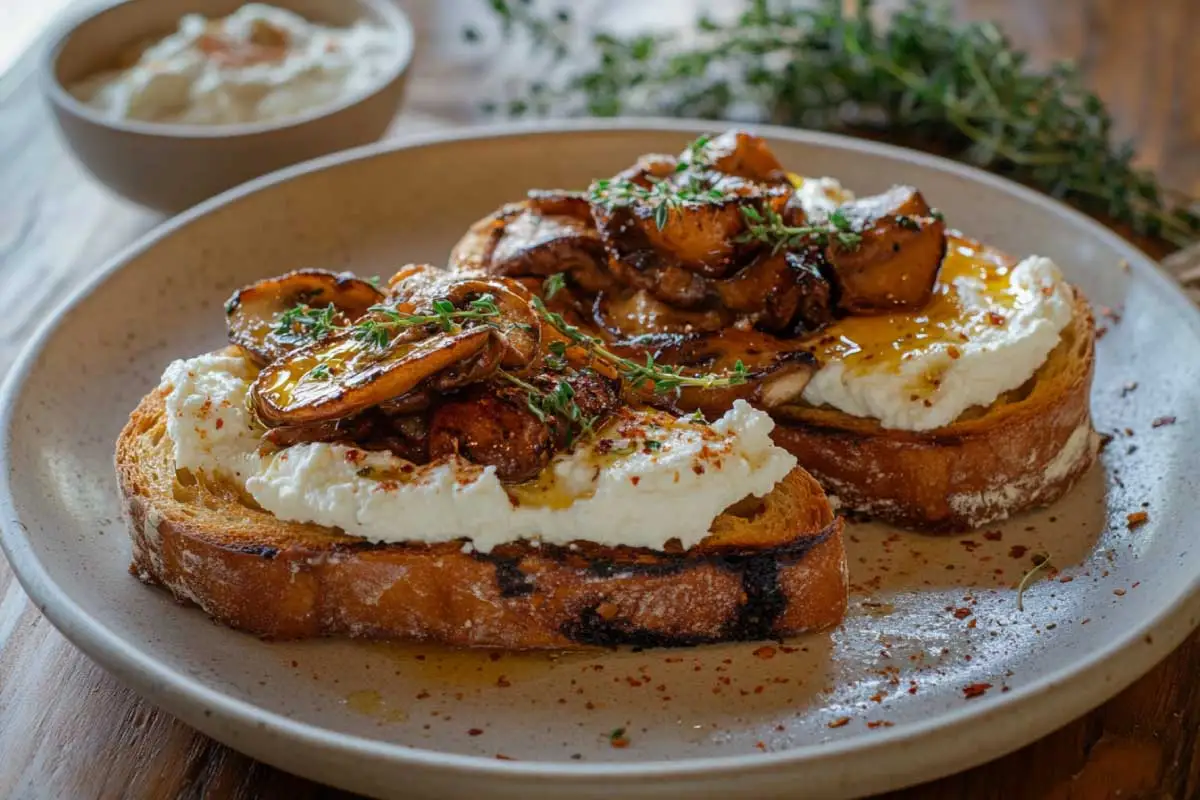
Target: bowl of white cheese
(168,102)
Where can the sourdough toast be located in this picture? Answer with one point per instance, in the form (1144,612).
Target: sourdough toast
(775,570)
(1024,450)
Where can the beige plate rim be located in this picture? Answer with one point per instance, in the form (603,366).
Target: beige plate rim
(1013,720)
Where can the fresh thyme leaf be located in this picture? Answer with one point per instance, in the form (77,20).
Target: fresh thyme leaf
(653,444)
(553,285)
(769,228)
(923,78)
(661,377)
(375,281)
(306,323)
(318,373)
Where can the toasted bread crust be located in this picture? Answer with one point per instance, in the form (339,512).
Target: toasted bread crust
(1024,451)
(776,574)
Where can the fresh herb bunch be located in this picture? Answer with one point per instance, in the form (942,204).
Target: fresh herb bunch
(921,78)
(769,228)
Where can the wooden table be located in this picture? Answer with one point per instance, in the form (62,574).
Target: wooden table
(67,729)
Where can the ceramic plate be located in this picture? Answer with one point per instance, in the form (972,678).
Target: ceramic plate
(935,669)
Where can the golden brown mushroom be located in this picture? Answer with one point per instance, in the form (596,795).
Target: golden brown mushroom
(897,260)
(549,233)
(738,153)
(255,314)
(777,370)
(407,346)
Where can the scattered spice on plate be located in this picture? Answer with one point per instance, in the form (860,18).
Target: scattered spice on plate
(975,690)
(962,613)
(840,722)
(765,652)
(1018,551)
(475,732)
(993,536)
(1136,519)
(1160,421)
(880,723)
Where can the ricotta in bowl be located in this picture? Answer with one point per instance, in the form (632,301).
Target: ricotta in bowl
(258,64)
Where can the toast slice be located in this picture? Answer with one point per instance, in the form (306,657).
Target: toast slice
(775,569)
(1024,450)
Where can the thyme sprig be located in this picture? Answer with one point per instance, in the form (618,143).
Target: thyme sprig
(661,377)
(315,324)
(558,402)
(921,78)
(663,195)
(769,228)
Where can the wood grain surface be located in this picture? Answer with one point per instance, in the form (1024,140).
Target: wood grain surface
(68,729)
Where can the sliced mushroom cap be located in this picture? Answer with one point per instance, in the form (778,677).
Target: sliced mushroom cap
(254,314)
(782,293)
(739,153)
(625,313)
(777,370)
(896,263)
(415,290)
(549,233)
(344,375)
(354,370)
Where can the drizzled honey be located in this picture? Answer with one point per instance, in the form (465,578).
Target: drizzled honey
(866,342)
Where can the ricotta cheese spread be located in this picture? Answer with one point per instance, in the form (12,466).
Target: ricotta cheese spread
(643,479)
(259,63)
(987,331)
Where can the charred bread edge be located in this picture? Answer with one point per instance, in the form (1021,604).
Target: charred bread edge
(517,596)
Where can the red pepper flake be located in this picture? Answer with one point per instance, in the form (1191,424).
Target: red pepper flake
(953,352)
(1085,621)
(786,649)
(993,536)
(502,757)
(632,681)
(618,739)
(1137,519)
(761,746)
(912,688)
(589,705)
(421,695)
(995,318)
(1101,330)
(503,682)
(1119,592)
(840,722)
(969,544)
(962,613)
(698,469)
(475,732)
(877,697)
(1160,421)
(880,723)
(1018,551)
(1113,314)
(971,624)
(765,652)
(975,689)
(635,479)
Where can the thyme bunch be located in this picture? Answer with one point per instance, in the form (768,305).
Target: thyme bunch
(921,78)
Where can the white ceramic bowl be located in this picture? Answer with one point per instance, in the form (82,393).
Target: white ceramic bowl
(169,167)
